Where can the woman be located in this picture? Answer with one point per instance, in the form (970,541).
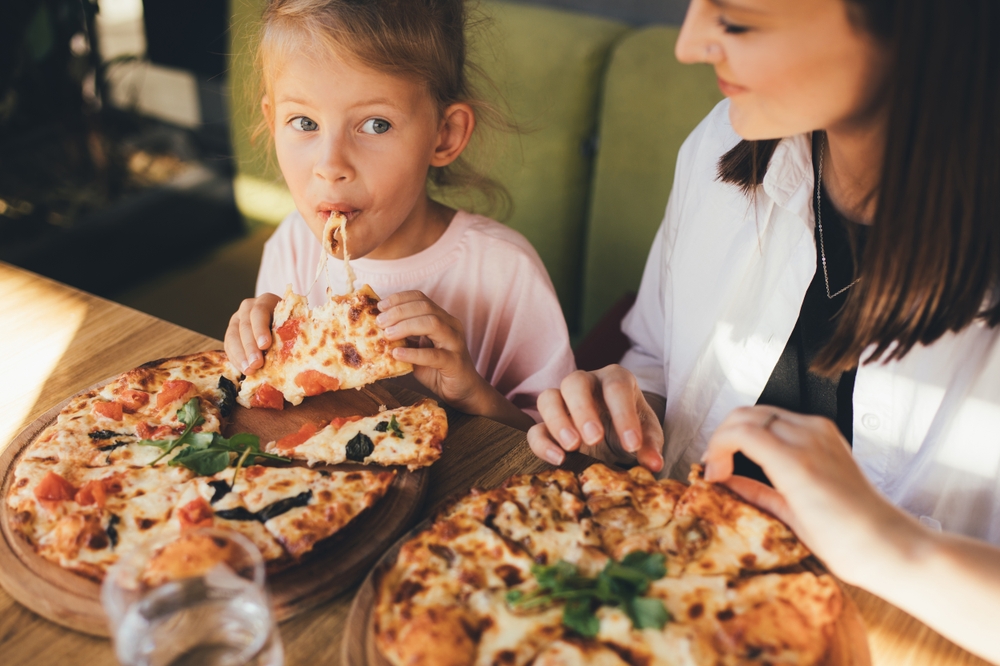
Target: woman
(831,248)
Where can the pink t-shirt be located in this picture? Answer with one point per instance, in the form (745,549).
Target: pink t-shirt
(483,273)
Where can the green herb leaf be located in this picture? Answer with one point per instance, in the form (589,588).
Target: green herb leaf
(513,596)
(394,427)
(646,613)
(190,413)
(579,616)
(204,462)
(653,565)
(162,444)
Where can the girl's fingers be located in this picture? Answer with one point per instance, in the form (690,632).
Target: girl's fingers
(429,357)
(260,325)
(431,326)
(557,420)
(251,352)
(541,444)
(234,345)
(406,310)
(400,298)
(578,392)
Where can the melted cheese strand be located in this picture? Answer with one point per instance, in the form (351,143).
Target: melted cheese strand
(351,277)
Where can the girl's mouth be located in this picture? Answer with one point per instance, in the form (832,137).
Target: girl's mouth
(324,213)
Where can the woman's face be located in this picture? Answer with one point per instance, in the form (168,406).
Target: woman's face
(788,66)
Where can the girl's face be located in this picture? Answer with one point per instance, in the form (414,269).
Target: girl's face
(358,141)
(787,66)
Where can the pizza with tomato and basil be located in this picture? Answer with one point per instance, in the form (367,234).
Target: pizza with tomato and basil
(143,460)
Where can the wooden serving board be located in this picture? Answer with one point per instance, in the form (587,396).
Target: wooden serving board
(848,647)
(334,565)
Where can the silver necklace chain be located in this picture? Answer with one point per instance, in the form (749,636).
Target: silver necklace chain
(819,225)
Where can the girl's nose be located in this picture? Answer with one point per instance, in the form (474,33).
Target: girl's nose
(697,41)
(334,163)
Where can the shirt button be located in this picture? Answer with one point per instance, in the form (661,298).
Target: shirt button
(871,421)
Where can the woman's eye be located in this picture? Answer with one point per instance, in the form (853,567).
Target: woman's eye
(732,28)
(304,124)
(376,126)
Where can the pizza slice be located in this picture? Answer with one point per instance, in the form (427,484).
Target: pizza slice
(713,531)
(301,507)
(335,346)
(410,436)
(103,427)
(545,514)
(631,508)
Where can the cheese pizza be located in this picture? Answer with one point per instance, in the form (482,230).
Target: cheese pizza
(410,436)
(550,569)
(335,346)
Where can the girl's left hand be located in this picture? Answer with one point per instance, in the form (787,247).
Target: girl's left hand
(440,357)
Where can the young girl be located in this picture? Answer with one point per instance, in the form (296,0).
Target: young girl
(367,102)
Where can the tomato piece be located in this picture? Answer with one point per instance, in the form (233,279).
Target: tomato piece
(132,400)
(287,333)
(314,382)
(196,513)
(146,431)
(268,397)
(92,492)
(109,410)
(291,441)
(54,488)
(339,421)
(172,390)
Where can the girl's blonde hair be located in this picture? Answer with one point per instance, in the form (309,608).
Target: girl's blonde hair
(420,40)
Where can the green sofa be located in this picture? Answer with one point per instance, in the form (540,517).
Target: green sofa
(603,109)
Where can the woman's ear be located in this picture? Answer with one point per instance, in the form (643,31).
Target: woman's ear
(265,108)
(457,123)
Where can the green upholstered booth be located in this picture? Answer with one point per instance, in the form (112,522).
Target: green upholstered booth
(650,104)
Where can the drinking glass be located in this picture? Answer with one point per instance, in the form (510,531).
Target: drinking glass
(208,607)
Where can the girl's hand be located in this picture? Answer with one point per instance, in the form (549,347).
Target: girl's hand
(249,332)
(590,408)
(440,357)
(819,491)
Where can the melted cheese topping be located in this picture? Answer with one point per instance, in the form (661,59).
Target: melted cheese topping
(424,426)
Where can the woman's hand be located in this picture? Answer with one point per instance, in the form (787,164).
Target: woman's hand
(249,332)
(590,408)
(819,491)
(440,357)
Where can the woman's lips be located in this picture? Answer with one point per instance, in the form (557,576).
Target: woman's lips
(729,89)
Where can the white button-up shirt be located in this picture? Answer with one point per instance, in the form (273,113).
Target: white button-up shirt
(720,295)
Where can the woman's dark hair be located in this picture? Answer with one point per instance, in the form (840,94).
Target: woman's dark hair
(931,263)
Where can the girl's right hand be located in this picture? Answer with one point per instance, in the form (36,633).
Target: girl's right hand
(591,408)
(249,332)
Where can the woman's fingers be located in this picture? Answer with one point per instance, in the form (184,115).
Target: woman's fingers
(579,392)
(620,391)
(551,406)
(541,444)
(762,496)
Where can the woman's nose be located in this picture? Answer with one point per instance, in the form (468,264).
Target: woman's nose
(697,41)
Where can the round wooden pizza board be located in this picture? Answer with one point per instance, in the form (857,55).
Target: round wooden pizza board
(334,565)
(848,647)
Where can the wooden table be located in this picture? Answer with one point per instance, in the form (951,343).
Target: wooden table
(57,340)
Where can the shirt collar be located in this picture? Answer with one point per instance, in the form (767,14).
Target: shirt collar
(789,179)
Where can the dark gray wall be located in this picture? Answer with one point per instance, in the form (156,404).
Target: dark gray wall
(636,12)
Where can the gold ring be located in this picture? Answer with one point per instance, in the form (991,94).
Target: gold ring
(770,419)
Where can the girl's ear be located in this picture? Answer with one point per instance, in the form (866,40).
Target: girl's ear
(457,123)
(265,108)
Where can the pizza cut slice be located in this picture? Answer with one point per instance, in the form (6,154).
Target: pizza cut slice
(103,427)
(713,531)
(545,514)
(410,436)
(631,508)
(301,507)
(335,346)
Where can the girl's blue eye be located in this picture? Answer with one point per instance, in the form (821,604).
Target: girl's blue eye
(376,126)
(304,124)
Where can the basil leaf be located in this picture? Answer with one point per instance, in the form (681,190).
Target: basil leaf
(190,413)
(578,616)
(513,596)
(243,440)
(653,565)
(394,427)
(161,444)
(646,613)
(203,462)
